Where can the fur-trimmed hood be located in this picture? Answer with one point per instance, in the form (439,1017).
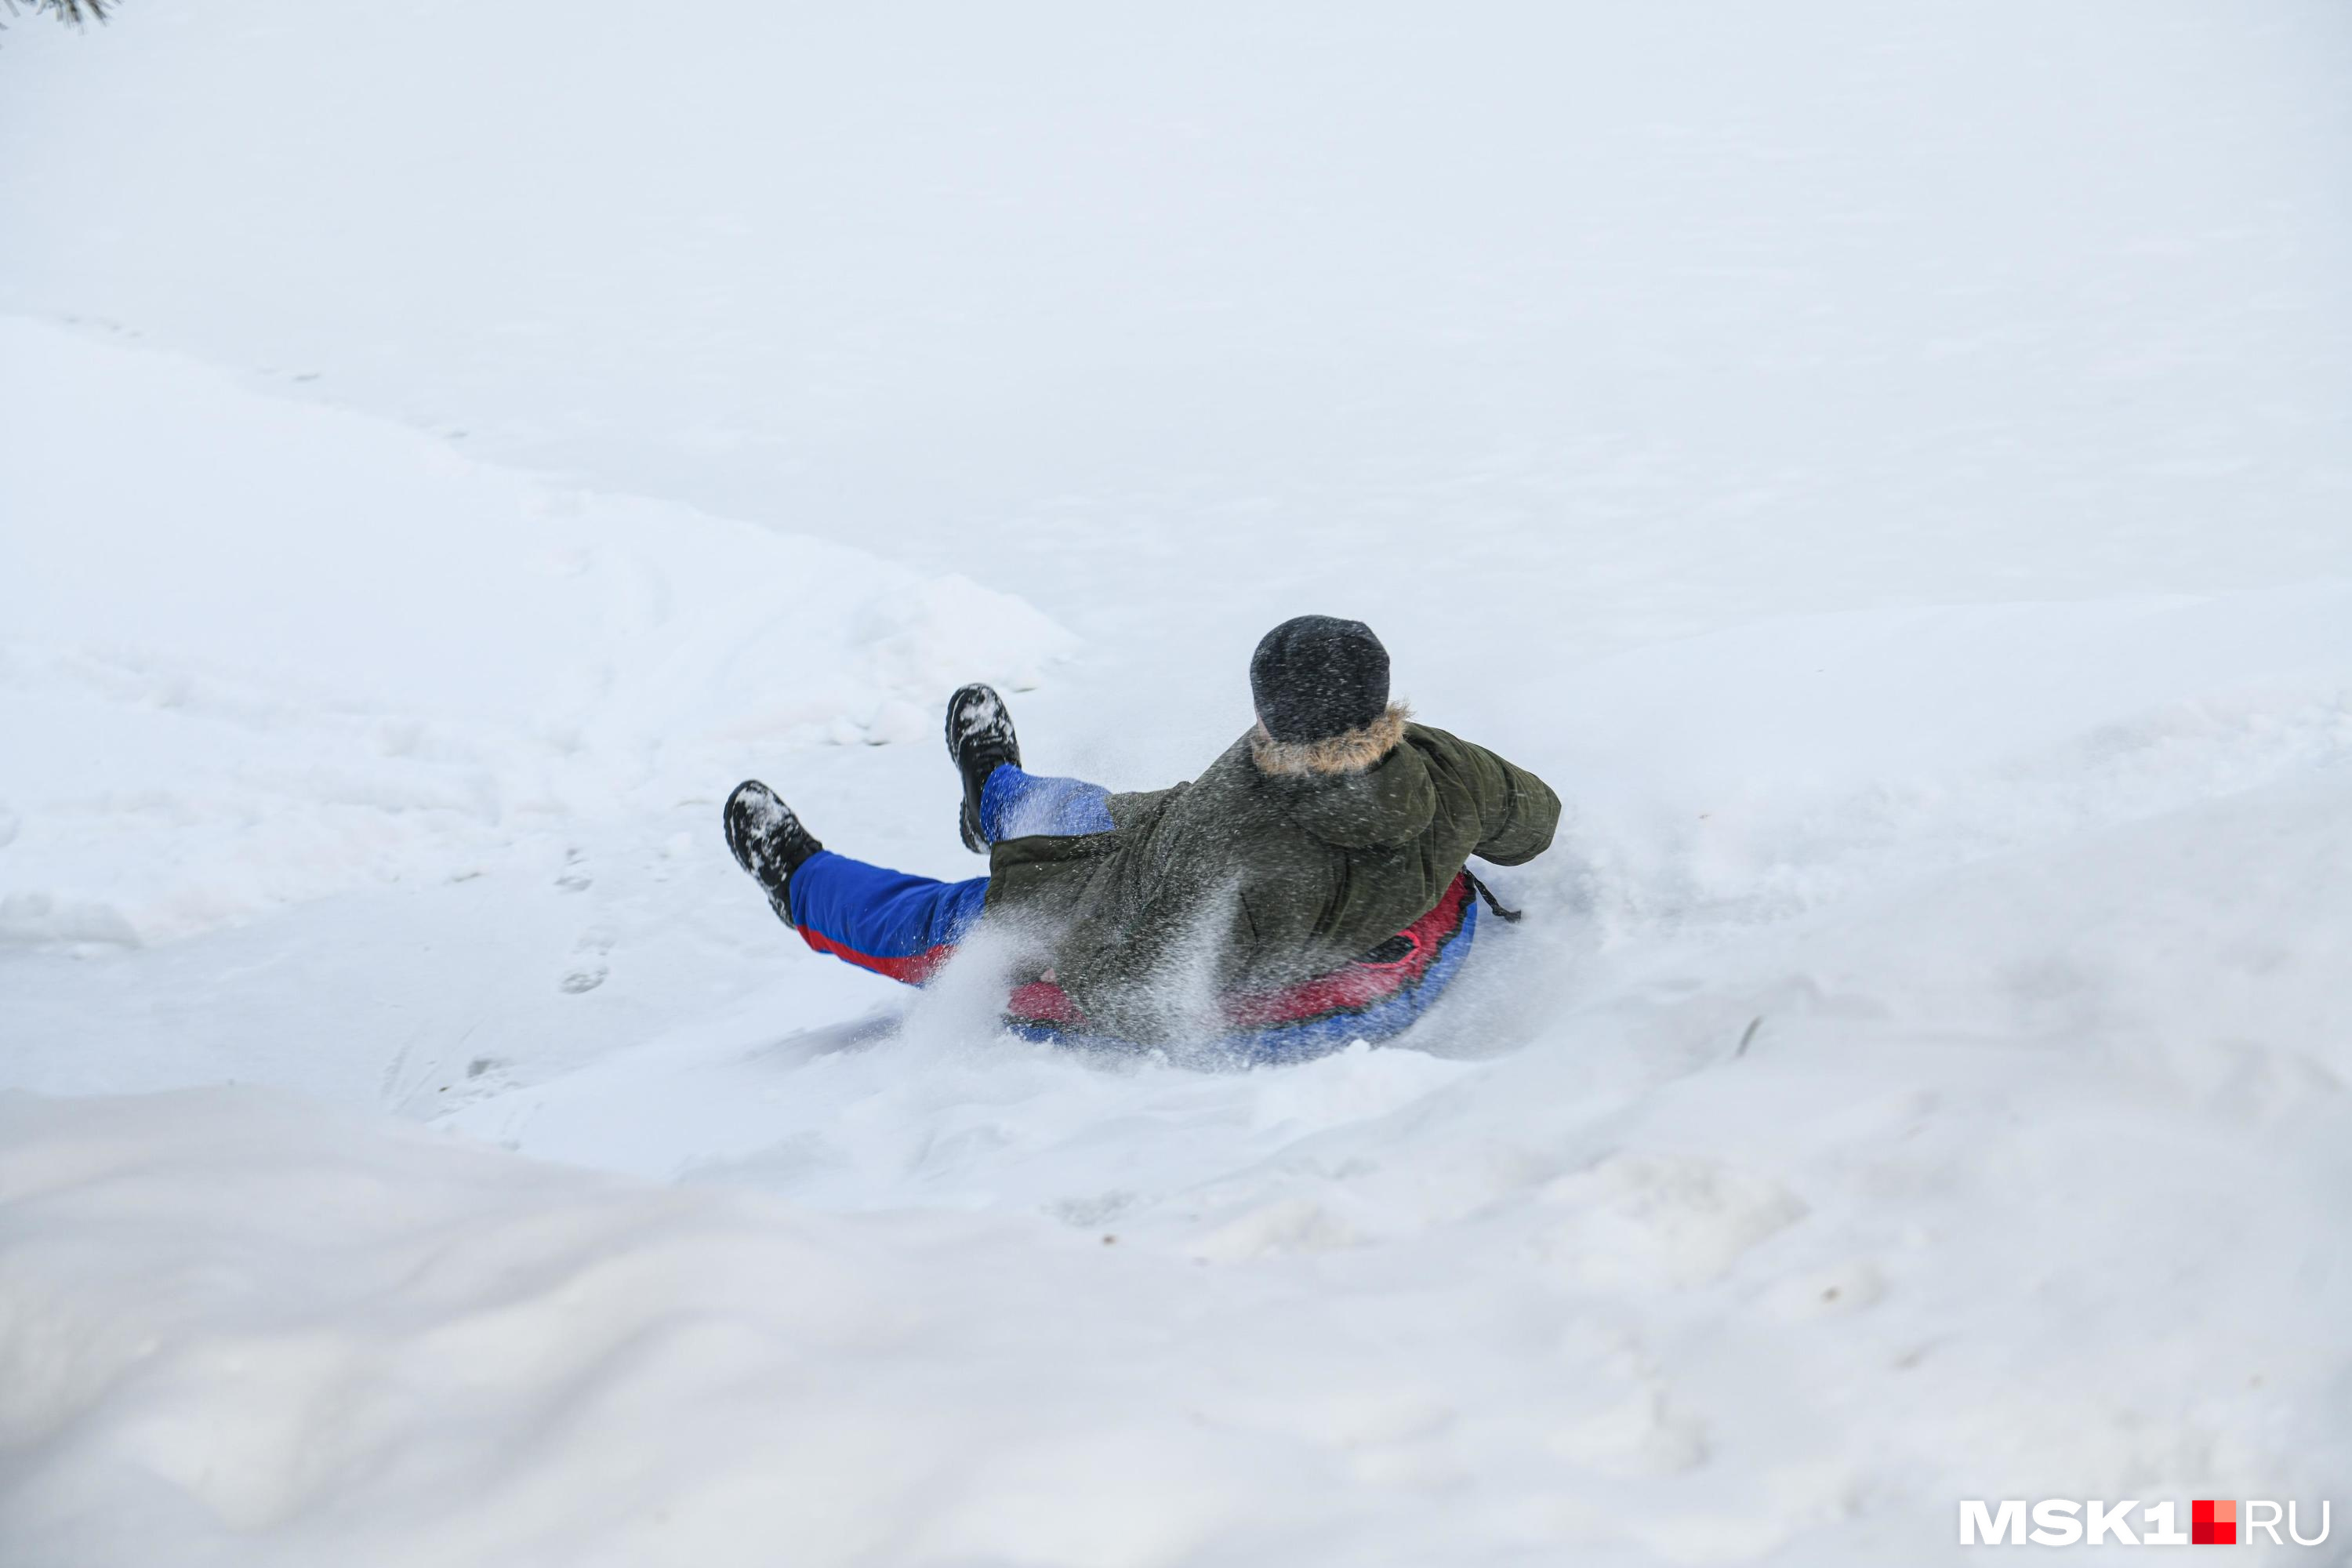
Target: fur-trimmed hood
(1350,752)
(1366,789)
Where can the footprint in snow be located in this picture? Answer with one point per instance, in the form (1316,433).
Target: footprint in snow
(588,969)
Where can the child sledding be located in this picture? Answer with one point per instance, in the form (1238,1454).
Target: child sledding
(1308,889)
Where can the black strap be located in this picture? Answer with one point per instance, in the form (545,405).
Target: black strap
(1493,903)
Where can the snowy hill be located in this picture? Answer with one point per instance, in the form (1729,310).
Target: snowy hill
(1889,472)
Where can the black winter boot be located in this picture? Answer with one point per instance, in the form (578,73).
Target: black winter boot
(980,740)
(768,840)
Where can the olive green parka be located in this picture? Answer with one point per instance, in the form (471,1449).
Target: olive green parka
(1278,863)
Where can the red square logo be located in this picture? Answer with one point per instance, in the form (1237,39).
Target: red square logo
(2213,1522)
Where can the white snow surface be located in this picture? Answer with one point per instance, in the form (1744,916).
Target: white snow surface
(1890,470)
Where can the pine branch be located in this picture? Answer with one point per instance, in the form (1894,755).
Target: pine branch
(73,13)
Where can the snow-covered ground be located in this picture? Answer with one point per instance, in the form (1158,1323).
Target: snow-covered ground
(1892,471)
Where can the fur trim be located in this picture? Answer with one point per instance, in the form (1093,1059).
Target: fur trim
(1350,752)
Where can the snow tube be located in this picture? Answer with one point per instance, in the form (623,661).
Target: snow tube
(1366,1000)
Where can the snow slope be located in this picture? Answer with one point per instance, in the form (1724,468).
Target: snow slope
(1887,471)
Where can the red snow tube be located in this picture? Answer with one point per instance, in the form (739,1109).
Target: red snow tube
(1360,1001)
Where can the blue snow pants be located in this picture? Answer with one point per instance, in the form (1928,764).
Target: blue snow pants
(905,926)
